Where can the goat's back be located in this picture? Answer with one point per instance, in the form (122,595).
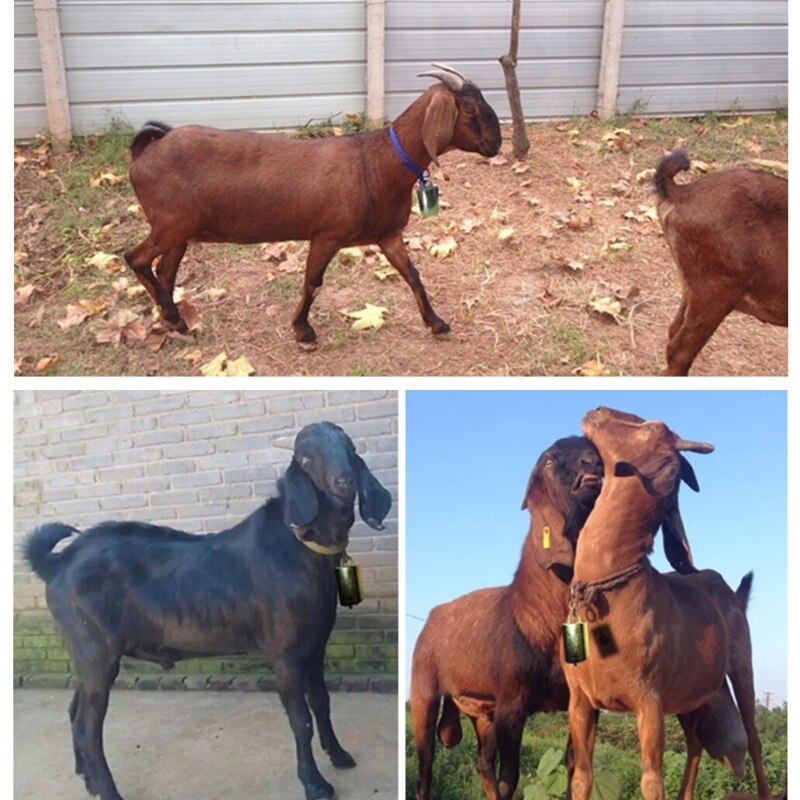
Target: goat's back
(728,233)
(196,594)
(207,184)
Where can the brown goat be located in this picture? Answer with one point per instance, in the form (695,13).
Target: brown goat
(659,644)
(209,185)
(493,653)
(728,235)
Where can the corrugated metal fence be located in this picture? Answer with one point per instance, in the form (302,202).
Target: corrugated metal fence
(272,63)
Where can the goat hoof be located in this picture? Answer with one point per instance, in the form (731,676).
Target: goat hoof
(342,759)
(440,327)
(320,791)
(178,326)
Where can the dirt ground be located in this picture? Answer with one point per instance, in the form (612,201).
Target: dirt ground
(555,266)
(202,746)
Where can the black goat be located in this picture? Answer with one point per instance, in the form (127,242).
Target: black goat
(268,583)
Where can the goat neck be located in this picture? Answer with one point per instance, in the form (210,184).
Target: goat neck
(620,530)
(534,587)
(408,127)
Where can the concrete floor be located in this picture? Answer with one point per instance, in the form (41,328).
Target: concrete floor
(203,746)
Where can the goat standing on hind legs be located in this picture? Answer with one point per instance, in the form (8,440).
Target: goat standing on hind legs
(208,185)
(268,583)
(658,644)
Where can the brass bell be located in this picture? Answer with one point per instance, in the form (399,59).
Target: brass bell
(348,583)
(428,198)
(576,641)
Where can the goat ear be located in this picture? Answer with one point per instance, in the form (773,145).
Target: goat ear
(688,476)
(301,505)
(534,477)
(656,476)
(374,501)
(439,124)
(676,545)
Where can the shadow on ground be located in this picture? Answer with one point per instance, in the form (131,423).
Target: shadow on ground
(202,746)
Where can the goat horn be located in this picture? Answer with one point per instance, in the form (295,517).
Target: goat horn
(450,77)
(694,447)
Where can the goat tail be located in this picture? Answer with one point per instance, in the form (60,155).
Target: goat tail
(149,132)
(743,591)
(38,549)
(669,166)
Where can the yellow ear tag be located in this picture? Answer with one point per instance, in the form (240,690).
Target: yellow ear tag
(546,538)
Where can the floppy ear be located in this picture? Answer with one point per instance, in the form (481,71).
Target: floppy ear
(301,505)
(676,545)
(529,488)
(656,474)
(687,475)
(374,501)
(550,545)
(439,123)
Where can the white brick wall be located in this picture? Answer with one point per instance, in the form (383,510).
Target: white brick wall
(198,461)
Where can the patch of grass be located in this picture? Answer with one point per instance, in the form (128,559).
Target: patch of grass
(284,285)
(332,126)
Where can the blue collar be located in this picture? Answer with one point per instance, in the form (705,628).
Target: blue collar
(407,162)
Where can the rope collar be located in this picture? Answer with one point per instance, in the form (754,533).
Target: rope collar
(315,547)
(410,165)
(583,593)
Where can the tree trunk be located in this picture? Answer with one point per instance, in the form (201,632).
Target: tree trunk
(519,138)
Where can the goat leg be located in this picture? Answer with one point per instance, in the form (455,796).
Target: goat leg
(694,751)
(319,700)
(650,724)
(395,250)
(140,260)
(424,710)
(291,686)
(320,252)
(167,267)
(487,756)
(693,326)
(582,728)
(87,730)
(508,738)
(741,677)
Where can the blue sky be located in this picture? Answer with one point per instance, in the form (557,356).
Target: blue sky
(469,454)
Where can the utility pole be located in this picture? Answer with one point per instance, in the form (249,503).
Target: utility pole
(767,698)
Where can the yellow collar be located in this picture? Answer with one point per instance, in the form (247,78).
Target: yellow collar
(315,547)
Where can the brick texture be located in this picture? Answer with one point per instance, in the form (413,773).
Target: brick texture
(199,461)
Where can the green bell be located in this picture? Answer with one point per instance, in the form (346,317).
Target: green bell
(428,198)
(348,583)
(576,642)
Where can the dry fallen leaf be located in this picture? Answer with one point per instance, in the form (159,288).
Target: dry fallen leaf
(505,235)
(607,306)
(498,161)
(368,317)
(444,247)
(46,362)
(350,255)
(222,366)
(382,273)
(101,178)
(592,369)
(23,293)
(104,261)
